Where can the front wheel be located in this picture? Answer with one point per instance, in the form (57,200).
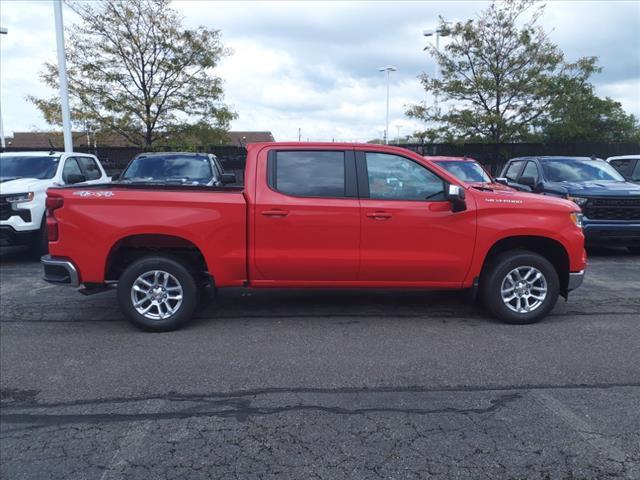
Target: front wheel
(157,294)
(520,287)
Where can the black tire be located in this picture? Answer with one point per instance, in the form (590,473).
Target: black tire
(183,312)
(634,250)
(495,273)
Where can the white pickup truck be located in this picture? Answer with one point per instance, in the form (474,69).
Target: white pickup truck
(24,180)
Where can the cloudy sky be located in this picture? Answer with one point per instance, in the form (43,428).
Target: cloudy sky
(314,65)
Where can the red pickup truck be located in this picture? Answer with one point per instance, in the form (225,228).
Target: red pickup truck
(315,215)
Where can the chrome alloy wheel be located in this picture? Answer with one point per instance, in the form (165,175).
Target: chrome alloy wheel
(524,289)
(156,294)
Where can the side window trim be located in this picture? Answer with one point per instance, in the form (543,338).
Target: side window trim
(363,176)
(350,178)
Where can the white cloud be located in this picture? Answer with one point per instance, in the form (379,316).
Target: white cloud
(313,65)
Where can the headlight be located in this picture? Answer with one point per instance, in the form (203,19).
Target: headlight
(576,217)
(19,197)
(580,201)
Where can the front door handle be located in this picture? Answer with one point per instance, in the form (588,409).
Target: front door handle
(275,213)
(379,215)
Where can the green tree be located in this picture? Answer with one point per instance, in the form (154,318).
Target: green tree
(134,70)
(579,115)
(499,74)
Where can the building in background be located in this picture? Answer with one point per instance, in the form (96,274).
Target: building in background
(43,140)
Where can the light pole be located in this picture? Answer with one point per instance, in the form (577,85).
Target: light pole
(387,69)
(62,73)
(438,33)
(3,31)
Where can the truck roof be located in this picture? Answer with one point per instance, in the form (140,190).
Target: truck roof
(44,153)
(441,158)
(164,154)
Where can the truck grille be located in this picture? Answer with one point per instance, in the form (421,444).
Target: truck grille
(5,208)
(612,208)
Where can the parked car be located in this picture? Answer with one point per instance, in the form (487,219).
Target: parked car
(315,215)
(610,204)
(24,179)
(176,167)
(628,166)
(468,170)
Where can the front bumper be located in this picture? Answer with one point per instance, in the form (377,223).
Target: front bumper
(60,271)
(611,233)
(575,280)
(10,236)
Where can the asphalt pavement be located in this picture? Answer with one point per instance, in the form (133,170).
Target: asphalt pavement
(321,384)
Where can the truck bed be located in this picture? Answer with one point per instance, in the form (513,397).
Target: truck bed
(95,220)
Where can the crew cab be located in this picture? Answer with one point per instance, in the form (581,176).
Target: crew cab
(24,179)
(315,215)
(610,204)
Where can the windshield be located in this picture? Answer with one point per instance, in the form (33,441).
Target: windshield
(28,167)
(466,171)
(170,168)
(578,170)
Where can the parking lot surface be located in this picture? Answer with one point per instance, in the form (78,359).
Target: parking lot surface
(332,384)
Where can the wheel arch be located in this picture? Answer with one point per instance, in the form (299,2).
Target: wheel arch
(133,247)
(547,247)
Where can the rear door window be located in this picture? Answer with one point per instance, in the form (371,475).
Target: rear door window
(512,170)
(308,173)
(90,168)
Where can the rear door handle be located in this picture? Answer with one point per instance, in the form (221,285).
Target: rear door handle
(275,213)
(379,215)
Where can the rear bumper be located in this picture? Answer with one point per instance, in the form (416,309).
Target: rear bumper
(60,271)
(575,280)
(611,233)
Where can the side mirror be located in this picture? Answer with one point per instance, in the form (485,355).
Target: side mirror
(115,177)
(455,194)
(227,178)
(502,180)
(75,178)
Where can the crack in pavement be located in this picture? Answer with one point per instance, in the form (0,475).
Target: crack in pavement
(241,409)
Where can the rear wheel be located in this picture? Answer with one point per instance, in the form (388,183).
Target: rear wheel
(157,294)
(520,287)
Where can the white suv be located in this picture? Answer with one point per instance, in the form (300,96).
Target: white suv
(24,180)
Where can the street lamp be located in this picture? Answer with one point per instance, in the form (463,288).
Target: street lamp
(62,73)
(387,69)
(3,31)
(440,32)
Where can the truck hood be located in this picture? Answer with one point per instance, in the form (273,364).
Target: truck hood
(510,198)
(23,185)
(595,188)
